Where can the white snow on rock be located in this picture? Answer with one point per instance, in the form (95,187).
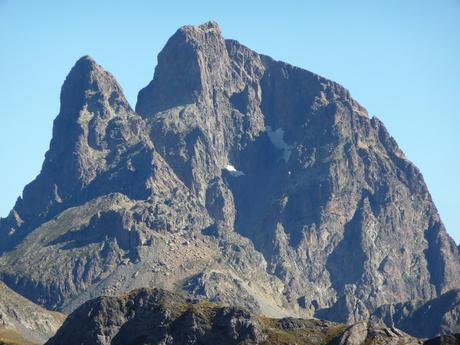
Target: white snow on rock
(231,169)
(277,139)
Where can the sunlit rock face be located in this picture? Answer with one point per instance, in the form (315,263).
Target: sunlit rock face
(238,178)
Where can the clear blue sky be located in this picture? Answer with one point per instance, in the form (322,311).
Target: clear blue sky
(400,59)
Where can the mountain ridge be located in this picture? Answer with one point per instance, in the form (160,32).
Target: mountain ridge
(131,199)
(155,316)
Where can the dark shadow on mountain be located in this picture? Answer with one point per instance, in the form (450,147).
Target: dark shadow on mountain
(102,226)
(346,262)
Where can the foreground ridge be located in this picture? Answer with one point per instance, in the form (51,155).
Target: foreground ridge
(155,316)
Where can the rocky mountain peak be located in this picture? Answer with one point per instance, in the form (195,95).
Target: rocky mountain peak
(94,121)
(86,63)
(293,162)
(92,108)
(196,32)
(254,181)
(193,62)
(88,84)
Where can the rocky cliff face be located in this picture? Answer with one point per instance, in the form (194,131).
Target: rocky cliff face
(238,178)
(23,322)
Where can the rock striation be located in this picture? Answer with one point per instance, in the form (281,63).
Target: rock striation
(238,178)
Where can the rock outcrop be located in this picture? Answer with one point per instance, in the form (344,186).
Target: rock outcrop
(23,322)
(239,179)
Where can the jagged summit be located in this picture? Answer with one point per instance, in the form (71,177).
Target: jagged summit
(86,60)
(193,60)
(197,61)
(87,79)
(94,119)
(239,179)
(83,67)
(210,27)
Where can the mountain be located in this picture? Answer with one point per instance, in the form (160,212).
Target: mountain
(23,322)
(148,316)
(238,178)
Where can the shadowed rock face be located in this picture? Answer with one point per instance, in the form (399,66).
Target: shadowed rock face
(412,316)
(240,179)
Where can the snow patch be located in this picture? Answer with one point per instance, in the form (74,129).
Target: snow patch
(231,169)
(277,139)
